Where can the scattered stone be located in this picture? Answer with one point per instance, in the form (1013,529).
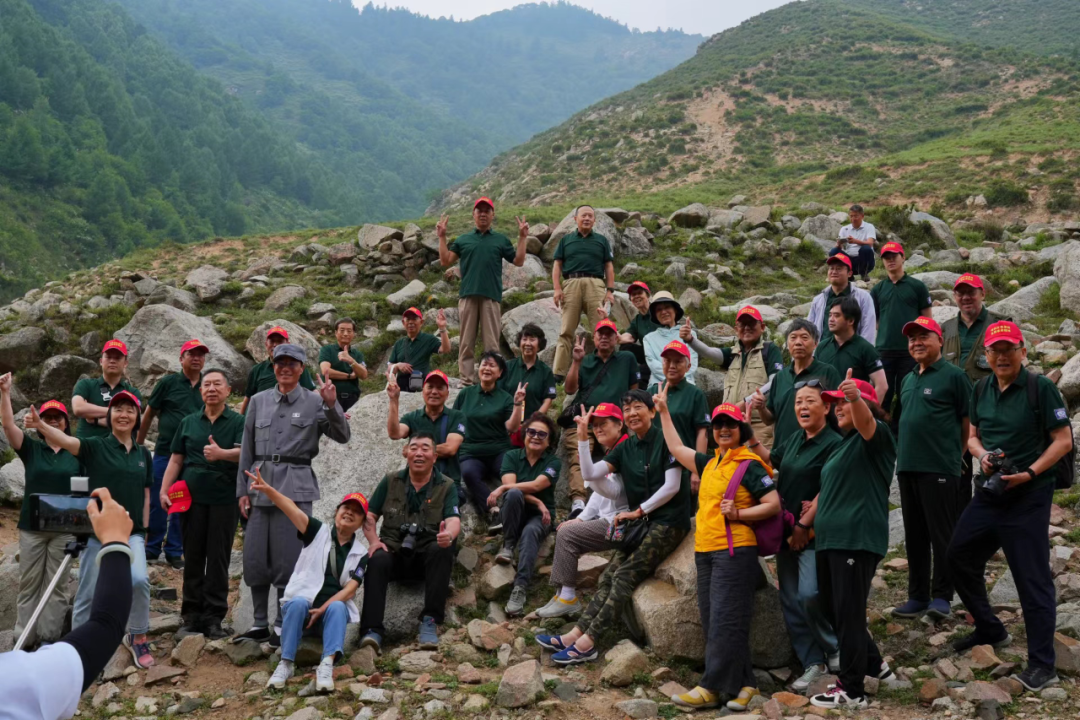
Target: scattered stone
(306,713)
(1054,694)
(931,690)
(983,657)
(946,669)
(243,652)
(418,662)
(1067,653)
(157,673)
(474,703)
(467,674)
(989,710)
(638,708)
(372,695)
(189,705)
(1010,685)
(488,636)
(188,650)
(117,666)
(979,690)
(363,661)
(520,685)
(104,694)
(695,215)
(791,700)
(897,564)
(624,661)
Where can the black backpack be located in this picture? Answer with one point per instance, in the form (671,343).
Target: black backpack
(1065,468)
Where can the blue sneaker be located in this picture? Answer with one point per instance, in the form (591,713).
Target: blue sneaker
(372,640)
(573,656)
(939,609)
(429,637)
(911,609)
(551,642)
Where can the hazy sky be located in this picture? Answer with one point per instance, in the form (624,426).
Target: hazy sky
(704,17)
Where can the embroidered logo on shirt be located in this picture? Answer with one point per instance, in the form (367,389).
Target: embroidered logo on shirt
(296,415)
(106,396)
(1060,414)
(455,509)
(549,471)
(927,391)
(878,364)
(778,366)
(461,427)
(766,481)
(851,561)
(552,389)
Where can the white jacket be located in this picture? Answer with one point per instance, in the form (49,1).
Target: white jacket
(310,569)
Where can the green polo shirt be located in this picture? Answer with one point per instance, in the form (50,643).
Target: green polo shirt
(261,377)
(418,422)
(174,398)
(622,372)
(127,474)
(689,409)
(935,403)
(799,462)
(516,462)
(771,355)
(641,326)
(340,553)
(641,463)
(1005,419)
(414,499)
(416,352)
(781,399)
(971,335)
(584,253)
(97,392)
(329,353)
(485,414)
(540,378)
(831,298)
(897,304)
(481,262)
(210,483)
(853,507)
(47,473)
(857,355)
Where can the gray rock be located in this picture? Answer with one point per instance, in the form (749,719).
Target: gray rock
(255,346)
(522,277)
(624,661)
(418,662)
(1004,591)
(676,271)
(22,348)
(371,236)
(638,708)
(823,227)
(262,266)
(896,527)
(695,215)
(188,650)
(520,685)
(146,286)
(541,312)
(306,713)
(757,217)
(9,591)
(604,226)
(916,261)
(1020,306)
(283,296)
(342,253)
(59,375)
(617,215)
(634,242)
(168,295)
(937,279)
(207,282)
(981,255)
(721,221)
(1067,272)
(243,652)
(938,227)
(407,295)
(944,257)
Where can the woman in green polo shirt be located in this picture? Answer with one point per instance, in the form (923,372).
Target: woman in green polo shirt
(491,415)
(656,491)
(852,526)
(125,468)
(49,469)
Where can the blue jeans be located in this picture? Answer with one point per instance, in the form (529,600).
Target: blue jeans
(139,618)
(811,634)
(333,623)
(163,527)
(862,263)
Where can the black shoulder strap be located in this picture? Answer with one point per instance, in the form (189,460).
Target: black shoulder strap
(980,388)
(1033,400)
(583,393)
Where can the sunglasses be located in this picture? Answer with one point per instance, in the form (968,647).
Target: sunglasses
(725,422)
(813,382)
(538,434)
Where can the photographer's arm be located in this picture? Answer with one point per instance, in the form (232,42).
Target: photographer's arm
(1060,443)
(11,430)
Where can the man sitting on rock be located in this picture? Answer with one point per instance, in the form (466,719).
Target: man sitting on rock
(421,522)
(857,242)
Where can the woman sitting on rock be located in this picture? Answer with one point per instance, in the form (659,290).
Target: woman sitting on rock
(588,531)
(666,313)
(725,552)
(659,494)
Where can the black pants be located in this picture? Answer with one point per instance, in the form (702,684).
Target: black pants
(1016,523)
(208,532)
(347,401)
(896,366)
(932,506)
(476,472)
(638,351)
(844,586)
(524,529)
(431,566)
(725,595)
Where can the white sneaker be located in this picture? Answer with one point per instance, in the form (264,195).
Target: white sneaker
(835,697)
(812,673)
(282,673)
(324,675)
(557,607)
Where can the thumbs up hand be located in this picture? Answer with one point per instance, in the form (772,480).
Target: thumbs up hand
(685,332)
(444,538)
(849,388)
(212,452)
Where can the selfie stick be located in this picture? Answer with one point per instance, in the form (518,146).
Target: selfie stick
(71,552)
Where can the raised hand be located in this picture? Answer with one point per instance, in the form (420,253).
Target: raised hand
(583,421)
(32,421)
(578,353)
(686,334)
(444,538)
(327,390)
(523,227)
(393,390)
(519,394)
(440,319)
(258,484)
(660,398)
(849,388)
(212,451)
(602,312)
(5,383)
(345,357)
(112,523)
(440,227)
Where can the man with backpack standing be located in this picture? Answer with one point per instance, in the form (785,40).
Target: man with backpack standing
(1023,416)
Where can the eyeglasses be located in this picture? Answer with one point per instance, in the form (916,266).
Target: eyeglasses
(1004,351)
(812,382)
(538,434)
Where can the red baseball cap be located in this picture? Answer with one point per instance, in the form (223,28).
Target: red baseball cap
(115,345)
(130,397)
(866,390)
(50,406)
(728,410)
(676,346)
(605,323)
(608,410)
(923,322)
(192,345)
(484,200)
(180,497)
(751,311)
(840,257)
(893,247)
(1003,331)
(438,374)
(413,311)
(638,285)
(970,280)
(355,497)
(276,330)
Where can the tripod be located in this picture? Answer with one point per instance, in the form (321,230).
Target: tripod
(71,552)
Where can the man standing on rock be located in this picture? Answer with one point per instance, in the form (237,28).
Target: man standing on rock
(840,275)
(444,424)
(963,334)
(343,363)
(281,436)
(860,237)
(898,300)
(175,396)
(410,358)
(91,396)
(482,252)
(261,376)
(583,276)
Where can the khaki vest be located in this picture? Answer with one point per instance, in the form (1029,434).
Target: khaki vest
(741,382)
(976,367)
(396,509)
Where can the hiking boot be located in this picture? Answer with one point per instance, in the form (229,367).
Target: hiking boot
(939,609)
(910,609)
(557,607)
(282,673)
(836,698)
(190,627)
(324,675)
(372,640)
(176,562)
(258,634)
(516,604)
(1036,678)
(962,645)
(428,636)
(214,631)
(808,677)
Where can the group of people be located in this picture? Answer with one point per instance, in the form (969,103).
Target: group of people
(797,461)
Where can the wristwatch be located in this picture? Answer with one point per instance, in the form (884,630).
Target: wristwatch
(611,290)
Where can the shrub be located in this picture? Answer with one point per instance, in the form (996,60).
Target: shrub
(1006,194)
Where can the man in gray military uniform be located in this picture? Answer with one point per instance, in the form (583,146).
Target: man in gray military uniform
(281,436)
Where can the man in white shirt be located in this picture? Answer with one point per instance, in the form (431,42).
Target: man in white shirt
(857,242)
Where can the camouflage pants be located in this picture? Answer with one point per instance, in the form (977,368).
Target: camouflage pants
(624,574)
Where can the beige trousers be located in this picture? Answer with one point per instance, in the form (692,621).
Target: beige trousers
(40,555)
(577,490)
(477,314)
(580,295)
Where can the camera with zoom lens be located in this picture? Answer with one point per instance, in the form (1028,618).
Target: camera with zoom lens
(411,531)
(996,484)
(63,513)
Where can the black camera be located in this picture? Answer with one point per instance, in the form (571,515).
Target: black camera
(995,484)
(411,531)
(63,513)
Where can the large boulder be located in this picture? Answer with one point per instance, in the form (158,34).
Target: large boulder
(541,312)
(521,277)
(938,227)
(695,215)
(634,242)
(283,296)
(821,226)
(24,347)
(721,220)
(407,295)
(342,253)
(757,216)
(1069,384)
(938,279)
(603,226)
(207,282)
(256,342)
(59,375)
(12,482)
(521,685)
(262,266)
(1067,272)
(9,591)
(372,236)
(1020,306)
(168,295)
(154,336)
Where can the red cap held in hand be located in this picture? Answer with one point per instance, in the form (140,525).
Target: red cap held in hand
(180,497)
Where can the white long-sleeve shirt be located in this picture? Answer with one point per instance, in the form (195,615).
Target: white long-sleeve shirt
(609,496)
(594,471)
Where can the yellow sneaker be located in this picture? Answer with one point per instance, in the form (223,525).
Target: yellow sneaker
(743,701)
(699,699)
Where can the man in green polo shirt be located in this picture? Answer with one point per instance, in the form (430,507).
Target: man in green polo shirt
(583,276)
(175,396)
(91,396)
(410,358)
(929,456)
(205,456)
(845,350)
(687,404)
(261,376)
(482,252)
(444,424)
(778,408)
(602,377)
(898,300)
(343,363)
